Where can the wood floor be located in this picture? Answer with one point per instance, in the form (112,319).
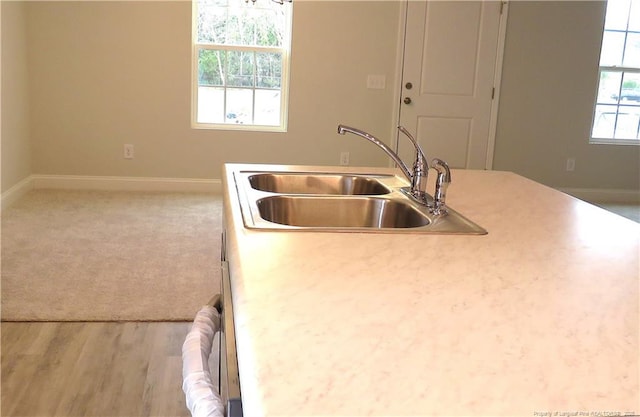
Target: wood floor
(92,369)
(630,210)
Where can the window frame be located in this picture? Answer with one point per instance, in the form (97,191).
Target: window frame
(615,69)
(284,50)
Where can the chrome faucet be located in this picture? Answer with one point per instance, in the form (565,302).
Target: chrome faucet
(420,169)
(342,129)
(417,177)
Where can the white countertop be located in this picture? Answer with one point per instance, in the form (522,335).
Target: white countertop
(540,315)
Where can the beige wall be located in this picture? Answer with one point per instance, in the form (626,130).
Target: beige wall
(16,149)
(549,80)
(102,74)
(109,73)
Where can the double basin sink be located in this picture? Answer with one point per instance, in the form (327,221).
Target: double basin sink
(338,202)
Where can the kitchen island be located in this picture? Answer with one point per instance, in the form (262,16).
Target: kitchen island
(541,315)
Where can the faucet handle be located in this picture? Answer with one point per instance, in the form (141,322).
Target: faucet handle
(442,182)
(419,152)
(420,168)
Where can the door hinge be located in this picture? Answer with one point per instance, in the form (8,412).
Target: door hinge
(502,3)
(493,93)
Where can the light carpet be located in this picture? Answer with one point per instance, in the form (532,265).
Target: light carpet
(109,255)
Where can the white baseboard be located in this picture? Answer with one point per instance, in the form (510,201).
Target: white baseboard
(604,195)
(14,193)
(82,182)
(78,182)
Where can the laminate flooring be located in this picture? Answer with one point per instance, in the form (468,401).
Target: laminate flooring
(631,211)
(93,369)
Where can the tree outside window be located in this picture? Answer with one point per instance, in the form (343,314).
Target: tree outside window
(241,60)
(617,111)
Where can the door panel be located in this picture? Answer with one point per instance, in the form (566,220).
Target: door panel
(450,132)
(450,61)
(450,48)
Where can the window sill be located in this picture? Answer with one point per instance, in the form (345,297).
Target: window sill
(608,141)
(239,127)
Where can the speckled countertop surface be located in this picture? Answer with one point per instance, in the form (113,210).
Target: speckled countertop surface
(540,315)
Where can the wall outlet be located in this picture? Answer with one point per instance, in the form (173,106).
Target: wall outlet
(128,151)
(571,164)
(344,158)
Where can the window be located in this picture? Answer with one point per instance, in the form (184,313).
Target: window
(617,111)
(241,64)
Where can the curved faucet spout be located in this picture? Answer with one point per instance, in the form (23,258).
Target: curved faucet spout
(342,129)
(417,177)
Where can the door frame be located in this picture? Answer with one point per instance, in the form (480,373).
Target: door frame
(497,79)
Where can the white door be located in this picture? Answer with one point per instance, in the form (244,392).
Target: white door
(450,61)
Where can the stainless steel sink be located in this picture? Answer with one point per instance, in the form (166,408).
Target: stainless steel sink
(306,183)
(337,202)
(355,212)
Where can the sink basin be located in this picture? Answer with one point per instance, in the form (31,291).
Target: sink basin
(338,202)
(356,212)
(307,183)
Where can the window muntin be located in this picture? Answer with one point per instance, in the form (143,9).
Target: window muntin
(241,64)
(617,110)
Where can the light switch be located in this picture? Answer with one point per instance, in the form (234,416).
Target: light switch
(376,82)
